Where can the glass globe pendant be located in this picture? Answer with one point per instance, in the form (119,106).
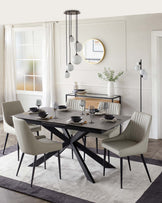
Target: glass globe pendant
(69,39)
(70,66)
(77,59)
(67,74)
(78,46)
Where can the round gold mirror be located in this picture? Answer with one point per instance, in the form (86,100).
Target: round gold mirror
(93,51)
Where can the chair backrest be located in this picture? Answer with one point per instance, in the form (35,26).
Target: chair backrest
(74,104)
(9,109)
(25,138)
(113,108)
(138,128)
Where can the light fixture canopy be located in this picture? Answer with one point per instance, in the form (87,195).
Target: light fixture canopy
(69,39)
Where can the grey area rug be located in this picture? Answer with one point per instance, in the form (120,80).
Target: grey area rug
(35,191)
(151,195)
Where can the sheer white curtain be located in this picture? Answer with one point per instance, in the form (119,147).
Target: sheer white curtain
(9,72)
(48,69)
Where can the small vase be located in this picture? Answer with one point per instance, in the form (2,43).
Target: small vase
(75,87)
(110,88)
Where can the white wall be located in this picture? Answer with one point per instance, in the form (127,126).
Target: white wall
(1,66)
(126,40)
(28,99)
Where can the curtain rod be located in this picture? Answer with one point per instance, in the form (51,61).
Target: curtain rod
(31,24)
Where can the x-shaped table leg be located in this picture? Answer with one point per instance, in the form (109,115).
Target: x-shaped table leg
(73,142)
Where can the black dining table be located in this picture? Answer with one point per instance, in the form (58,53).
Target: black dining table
(60,126)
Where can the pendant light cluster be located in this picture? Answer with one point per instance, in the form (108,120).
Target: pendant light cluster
(70,39)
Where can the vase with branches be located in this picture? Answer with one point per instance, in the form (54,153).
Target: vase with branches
(110,76)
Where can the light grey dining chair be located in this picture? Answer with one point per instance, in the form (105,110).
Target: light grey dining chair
(8,110)
(32,146)
(74,104)
(113,108)
(133,141)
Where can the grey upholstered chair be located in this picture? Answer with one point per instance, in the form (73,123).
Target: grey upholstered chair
(133,141)
(74,104)
(113,108)
(32,146)
(9,109)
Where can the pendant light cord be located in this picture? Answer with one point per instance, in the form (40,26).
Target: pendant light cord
(69,38)
(66,42)
(76,32)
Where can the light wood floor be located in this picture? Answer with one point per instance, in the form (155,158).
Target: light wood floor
(7,196)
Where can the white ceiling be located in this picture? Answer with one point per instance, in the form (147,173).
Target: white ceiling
(23,11)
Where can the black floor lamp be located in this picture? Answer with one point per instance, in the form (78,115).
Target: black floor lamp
(143,75)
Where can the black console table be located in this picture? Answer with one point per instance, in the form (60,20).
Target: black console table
(95,97)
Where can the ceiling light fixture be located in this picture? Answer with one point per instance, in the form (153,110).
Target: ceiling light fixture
(69,39)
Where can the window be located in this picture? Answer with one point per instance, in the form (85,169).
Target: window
(28,54)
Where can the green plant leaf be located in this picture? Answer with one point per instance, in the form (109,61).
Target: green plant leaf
(109,75)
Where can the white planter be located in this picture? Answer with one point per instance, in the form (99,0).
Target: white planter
(110,88)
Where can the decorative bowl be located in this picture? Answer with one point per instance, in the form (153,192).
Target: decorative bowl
(80,90)
(76,118)
(42,113)
(33,109)
(108,116)
(62,107)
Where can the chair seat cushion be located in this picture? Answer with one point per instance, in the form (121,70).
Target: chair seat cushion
(121,148)
(34,128)
(40,137)
(49,146)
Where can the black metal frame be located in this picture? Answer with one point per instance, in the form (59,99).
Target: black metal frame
(97,96)
(72,141)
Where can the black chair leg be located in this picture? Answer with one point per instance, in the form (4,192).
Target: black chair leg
(72,153)
(121,172)
(108,154)
(96,145)
(35,159)
(85,142)
(51,136)
(44,161)
(59,164)
(120,128)
(142,157)
(5,142)
(22,156)
(18,151)
(37,133)
(129,163)
(104,162)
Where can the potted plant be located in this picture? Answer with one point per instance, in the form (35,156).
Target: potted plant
(110,76)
